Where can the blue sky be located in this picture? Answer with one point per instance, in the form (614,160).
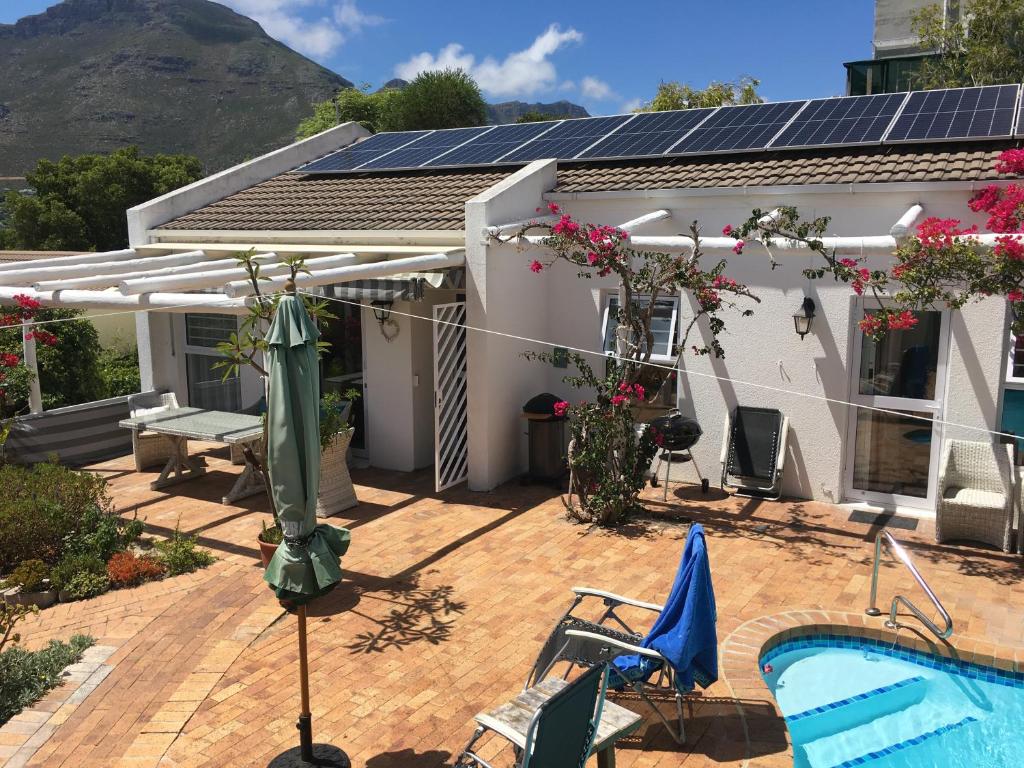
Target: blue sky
(602,54)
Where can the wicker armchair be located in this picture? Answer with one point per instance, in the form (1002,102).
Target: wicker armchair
(976,493)
(150,448)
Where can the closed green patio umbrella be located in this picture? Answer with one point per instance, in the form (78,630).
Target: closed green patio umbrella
(306,564)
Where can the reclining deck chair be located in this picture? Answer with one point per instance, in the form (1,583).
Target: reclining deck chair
(558,732)
(679,651)
(754,452)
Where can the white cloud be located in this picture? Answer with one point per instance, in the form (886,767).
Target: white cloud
(599,90)
(521,73)
(319,36)
(632,104)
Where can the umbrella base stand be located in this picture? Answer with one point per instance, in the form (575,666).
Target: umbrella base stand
(324,755)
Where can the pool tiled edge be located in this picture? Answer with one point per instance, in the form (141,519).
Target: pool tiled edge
(768,742)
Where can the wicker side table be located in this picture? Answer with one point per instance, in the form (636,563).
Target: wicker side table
(336,491)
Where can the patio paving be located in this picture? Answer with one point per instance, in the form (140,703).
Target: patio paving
(447,600)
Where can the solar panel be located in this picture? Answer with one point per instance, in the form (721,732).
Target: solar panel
(849,120)
(487,148)
(430,146)
(361,152)
(733,129)
(648,134)
(567,139)
(957,113)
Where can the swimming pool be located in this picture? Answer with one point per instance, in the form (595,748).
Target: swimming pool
(852,701)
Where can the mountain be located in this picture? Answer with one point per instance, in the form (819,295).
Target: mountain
(510,111)
(186,76)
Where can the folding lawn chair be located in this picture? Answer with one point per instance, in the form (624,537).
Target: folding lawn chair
(754,452)
(557,732)
(679,651)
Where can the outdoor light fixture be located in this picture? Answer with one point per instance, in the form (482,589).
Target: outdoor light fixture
(802,319)
(381,311)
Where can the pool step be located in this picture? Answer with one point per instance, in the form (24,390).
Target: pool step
(881,735)
(844,714)
(893,749)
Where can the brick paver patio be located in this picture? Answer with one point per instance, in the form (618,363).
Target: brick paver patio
(447,600)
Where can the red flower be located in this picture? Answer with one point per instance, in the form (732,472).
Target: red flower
(1009,248)
(536,266)
(738,248)
(902,320)
(727,230)
(1011,161)
(721,281)
(639,390)
(561,408)
(592,258)
(1015,295)
(553,207)
(8,360)
(619,399)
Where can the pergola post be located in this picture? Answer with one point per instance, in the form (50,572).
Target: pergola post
(35,394)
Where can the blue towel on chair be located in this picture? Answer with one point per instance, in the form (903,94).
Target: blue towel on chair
(685,630)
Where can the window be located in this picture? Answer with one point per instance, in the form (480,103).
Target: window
(663,324)
(207,387)
(1015,365)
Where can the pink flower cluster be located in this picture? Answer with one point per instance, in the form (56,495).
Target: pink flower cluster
(861,275)
(1010,248)
(43,337)
(738,248)
(561,408)
(1004,206)
(1016,295)
(872,325)
(935,233)
(536,266)
(1011,161)
(627,391)
(566,226)
(9,360)
(721,281)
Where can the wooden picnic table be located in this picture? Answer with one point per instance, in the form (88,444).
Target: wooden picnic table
(512,720)
(184,424)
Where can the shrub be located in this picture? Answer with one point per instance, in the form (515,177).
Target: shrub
(29,575)
(126,569)
(26,676)
(119,372)
(103,534)
(10,615)
(180,555)
(72,565)
(84,585)
(42,508)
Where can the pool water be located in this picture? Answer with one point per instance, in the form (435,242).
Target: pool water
(855,701)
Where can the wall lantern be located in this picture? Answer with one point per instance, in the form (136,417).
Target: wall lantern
(802,319)
(381,311)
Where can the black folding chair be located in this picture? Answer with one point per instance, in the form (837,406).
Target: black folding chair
(754,452)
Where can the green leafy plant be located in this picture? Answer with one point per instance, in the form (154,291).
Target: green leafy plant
(332,416)
(673,95)
(26,676)
(30,575)
(179,554)
(104,534)
(126,569)
(72,565)
(119,372)
(84,585)
(10,615)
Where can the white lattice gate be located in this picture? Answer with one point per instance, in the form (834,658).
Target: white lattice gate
(451,454)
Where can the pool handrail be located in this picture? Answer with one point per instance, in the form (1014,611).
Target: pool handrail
(901,555)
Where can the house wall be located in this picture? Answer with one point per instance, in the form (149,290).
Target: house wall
(764,348)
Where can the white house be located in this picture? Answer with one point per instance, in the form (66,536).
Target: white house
(418,242)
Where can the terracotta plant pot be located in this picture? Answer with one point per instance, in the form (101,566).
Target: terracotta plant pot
(266,551)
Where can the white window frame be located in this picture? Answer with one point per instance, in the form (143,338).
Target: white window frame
(195,349)
(1013,382)
(673,330)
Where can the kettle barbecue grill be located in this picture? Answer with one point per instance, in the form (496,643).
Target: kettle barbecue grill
(678,435)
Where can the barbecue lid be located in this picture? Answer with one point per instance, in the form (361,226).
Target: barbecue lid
(542,405)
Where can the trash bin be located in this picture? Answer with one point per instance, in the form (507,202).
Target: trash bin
(547,459)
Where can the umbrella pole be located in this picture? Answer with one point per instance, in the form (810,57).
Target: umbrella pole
(305,724)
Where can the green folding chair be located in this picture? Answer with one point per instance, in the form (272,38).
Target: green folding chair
(559,731)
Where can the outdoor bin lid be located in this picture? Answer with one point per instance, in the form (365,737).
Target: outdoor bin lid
(542,407)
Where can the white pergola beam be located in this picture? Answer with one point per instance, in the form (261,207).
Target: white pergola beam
(514,226)
(113,280)
(424,263)
(905,222)
(112,300)
(647,218)
(218,277)
(34,275)
(83,258)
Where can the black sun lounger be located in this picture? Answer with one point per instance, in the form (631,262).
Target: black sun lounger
(754,452)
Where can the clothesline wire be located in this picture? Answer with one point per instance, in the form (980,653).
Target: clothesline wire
(595,353)
(684,373)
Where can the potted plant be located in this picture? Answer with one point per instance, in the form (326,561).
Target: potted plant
(336,491)
(268,539)
(29,584)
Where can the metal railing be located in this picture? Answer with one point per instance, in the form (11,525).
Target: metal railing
(903,557)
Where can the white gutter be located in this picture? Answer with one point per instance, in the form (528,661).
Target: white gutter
(113,279)
(421,237)
(67,261)
(217,278)
(164,302)
(872,187)
(37,274)
(239,288)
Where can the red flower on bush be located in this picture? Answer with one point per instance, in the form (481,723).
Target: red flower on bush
(561,408)
(536,266)
(126,569)
(1009,248)
(9,360)
(1015,295)
(727,230)
(738,248)
(619,399)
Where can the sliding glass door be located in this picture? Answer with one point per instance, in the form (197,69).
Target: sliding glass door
(899,384)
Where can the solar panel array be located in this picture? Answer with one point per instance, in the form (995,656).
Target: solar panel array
(987,112)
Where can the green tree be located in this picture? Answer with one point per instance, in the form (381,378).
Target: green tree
(674,95)
(374,111)
(986,50)
(447,98)
(80,202)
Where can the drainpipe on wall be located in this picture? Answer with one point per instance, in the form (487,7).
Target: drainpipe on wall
(35,394)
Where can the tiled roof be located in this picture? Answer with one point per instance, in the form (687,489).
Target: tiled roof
(908,162)
(296,201)
(33,255)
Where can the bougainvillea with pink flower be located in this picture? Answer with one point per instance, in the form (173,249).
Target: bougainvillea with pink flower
(606,457)
(15,377)
(943,264)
